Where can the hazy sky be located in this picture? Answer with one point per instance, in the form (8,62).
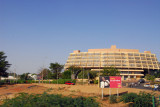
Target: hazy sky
(34,33)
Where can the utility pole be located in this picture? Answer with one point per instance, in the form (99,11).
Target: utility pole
(83,76)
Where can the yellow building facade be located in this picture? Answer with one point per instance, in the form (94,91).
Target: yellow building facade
(130,62)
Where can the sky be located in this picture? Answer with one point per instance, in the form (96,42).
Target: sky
(35,33)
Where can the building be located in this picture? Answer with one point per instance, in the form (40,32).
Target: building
(130,62)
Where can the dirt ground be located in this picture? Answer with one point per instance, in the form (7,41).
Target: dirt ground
(10,91)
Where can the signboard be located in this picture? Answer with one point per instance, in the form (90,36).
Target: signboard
(115,82)
(104,82)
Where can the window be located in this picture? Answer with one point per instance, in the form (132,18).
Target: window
(117,57)
(144,62)
(110,60)
(136,54)
(142,55)
(90,53)
(110,57)
(148,58)
(131,65)
(131,61)
(143,58)
(104,53)
(147,55)
(110,53)
(130,54)
(97,53)
(138,65)
(137,57)
(138,61)
(117,54)
(130,57)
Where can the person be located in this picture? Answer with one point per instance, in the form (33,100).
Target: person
(152,87)
(155,87)
(104,83)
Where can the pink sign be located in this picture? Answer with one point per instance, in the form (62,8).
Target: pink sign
(115,82)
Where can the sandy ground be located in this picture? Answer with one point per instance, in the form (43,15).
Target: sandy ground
(11,91)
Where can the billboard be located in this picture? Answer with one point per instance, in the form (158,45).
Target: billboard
(115,82)
(110,82)
(104,81)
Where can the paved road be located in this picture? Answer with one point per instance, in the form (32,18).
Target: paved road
(141,86)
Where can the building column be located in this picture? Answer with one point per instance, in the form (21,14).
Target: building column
(122,77)
(129,76)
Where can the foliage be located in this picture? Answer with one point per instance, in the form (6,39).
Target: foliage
(66,74)
(25,76)
(95,81)
(75,70)
(83,75)
(150,77)
(110,71)
(56,68)
(87,74)
(4,65)
(48,100)
(113,99)
(157,74)
(129,97)
(92,74)
(44,73)
(143,99)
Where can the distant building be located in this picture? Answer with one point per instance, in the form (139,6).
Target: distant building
(8,78)
(130,62)
(33,76)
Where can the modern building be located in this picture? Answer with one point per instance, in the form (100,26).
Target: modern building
(130,62)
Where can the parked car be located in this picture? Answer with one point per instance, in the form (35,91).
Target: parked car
(141,81)
(147,85)
(69,83)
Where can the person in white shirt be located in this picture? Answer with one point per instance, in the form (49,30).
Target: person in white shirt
(104,83)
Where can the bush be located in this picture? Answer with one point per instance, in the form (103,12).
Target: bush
(113,99)
(129,97)
(61,81)
(95,81)
(48,100)
(143,99)
(2,82)
(21,81)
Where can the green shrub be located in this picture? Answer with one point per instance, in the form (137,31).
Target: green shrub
(113,99)
(61,81)
(95,81)
(21,81)
(33,81)
(48,100)
(129,97)
(74,81)
(143,99)
(2,82)
(54,82)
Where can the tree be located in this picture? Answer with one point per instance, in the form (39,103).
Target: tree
(25,76)
(66,74)
(4,65)
(56,68)
(75,70)
(157,74)
(110,71)
(90,74)
(150,77)
(44,73)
